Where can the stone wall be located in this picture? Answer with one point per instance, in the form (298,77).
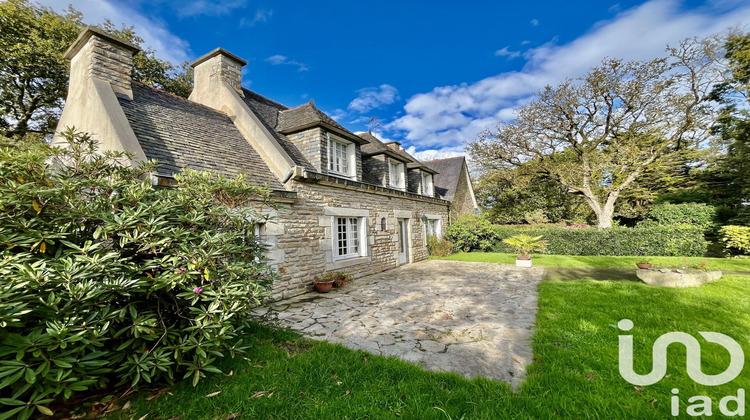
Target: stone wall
(302,234)
(313,143)
(462,203)
(110,63)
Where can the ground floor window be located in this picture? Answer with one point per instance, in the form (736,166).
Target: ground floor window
(348,237)
(433,227)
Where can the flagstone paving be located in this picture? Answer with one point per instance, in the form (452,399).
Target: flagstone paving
(464,317)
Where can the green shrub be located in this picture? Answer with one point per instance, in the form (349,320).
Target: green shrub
(680,240)
(536,217)
(439,247)
(697,214)
(473,232)
(524,245)
(736,239)
(108,280)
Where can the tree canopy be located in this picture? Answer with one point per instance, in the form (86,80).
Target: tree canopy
(34,74)
(597,135)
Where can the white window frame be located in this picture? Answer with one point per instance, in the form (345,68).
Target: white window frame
(349,236)
(437,227)
(427,181)
(395,166)
(345,167)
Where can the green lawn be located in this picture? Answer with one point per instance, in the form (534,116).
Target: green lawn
(574,374)
(574,261)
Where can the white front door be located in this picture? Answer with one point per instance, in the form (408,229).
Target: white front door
(403,241)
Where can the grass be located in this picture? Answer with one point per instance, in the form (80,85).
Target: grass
(574,374)
(575,261)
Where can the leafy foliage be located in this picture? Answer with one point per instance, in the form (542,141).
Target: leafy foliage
(109,281)
(697,214)
(733,125)
(511,197)
(524,245)
(597,135)
(736,239)
(439,247)
(473,232)
(34,74)
(651,240)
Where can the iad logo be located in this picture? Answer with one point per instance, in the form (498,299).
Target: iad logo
(703,404)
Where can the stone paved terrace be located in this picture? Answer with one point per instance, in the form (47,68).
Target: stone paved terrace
(464,317)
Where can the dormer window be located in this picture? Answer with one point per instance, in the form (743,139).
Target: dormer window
(428,188)
(340,157)
(397,175)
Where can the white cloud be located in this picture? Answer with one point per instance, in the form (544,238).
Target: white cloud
(432,154)
(373,97)
(450,115)
(534,22)
(154,32)
(207,7)
(506,52)
(261,15)
(278,60)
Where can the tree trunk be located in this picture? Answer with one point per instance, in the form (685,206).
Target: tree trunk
(604,218)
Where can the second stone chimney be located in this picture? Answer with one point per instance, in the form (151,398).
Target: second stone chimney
(97,54)
(218,64)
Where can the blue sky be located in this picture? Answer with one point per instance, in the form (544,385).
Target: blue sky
(433,73)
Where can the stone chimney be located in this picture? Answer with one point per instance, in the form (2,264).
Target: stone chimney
(97,54)
(218,64)
(394,145)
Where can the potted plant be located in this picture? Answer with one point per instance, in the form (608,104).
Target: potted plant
(524,246)
(341,279)
(324,283)
(644,264)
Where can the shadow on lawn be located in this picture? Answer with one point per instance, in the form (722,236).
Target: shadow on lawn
(589,273)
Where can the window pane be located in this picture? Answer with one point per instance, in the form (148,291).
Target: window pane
(354,233)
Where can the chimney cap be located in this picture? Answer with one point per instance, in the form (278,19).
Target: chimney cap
(94,31)
(214,53)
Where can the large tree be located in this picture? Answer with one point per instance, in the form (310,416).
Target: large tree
(34,74)
(733,125)
(597,135)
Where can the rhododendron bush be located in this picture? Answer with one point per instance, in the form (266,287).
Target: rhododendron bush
(110,281)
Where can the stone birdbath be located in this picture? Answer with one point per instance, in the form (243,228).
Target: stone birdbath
(671,277)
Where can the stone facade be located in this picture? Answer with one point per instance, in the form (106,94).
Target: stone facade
(463,202)
(313,144)
(302,235)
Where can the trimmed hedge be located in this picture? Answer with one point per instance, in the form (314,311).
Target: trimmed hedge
(651,240)
(682,241)
(698,214)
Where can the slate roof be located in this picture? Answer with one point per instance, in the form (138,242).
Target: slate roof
(269,112)
(448,174)
(376,147)
(181,134)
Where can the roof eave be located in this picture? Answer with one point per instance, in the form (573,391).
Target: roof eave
(349,136)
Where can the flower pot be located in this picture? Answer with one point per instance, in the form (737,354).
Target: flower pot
(523,262)
(643,266)
(324,287)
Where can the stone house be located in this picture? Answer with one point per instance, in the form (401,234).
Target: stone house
(453,183)
(345,201)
